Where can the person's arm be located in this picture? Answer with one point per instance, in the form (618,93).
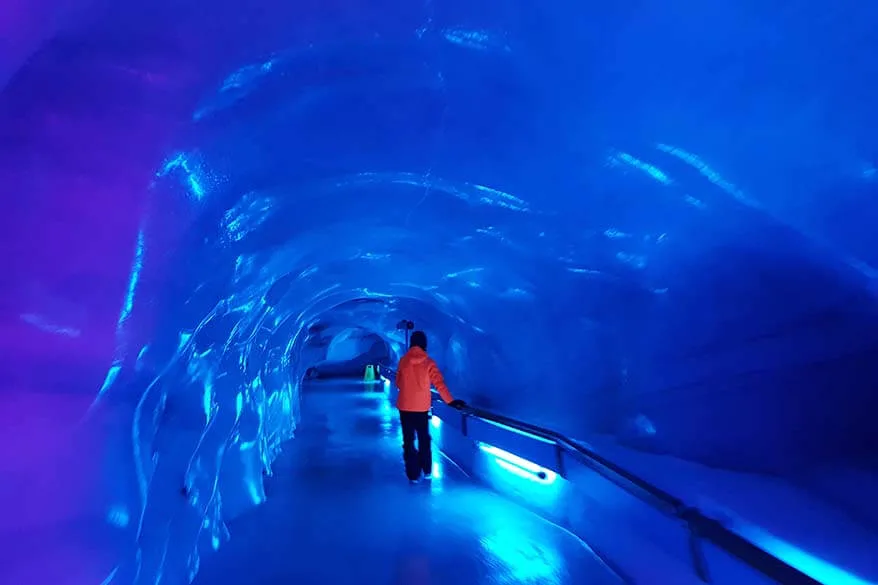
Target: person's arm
(438,382)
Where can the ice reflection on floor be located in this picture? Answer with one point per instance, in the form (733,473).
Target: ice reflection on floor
(340,510)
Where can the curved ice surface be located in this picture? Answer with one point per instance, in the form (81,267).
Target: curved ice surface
(654,223)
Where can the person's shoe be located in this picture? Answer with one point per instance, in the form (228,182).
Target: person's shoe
(413,481)
(428,476)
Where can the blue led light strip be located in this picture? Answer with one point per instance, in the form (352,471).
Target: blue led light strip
(520,466)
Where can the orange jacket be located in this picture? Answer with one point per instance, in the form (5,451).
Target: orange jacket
(416,372)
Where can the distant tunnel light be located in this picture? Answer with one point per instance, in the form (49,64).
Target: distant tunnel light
(519,466)
(435,422)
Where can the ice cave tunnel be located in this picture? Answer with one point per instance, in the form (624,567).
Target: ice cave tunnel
(641,239)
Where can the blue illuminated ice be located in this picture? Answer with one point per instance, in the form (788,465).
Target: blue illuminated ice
(650,230)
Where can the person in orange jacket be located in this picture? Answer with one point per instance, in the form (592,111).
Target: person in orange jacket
(416,373)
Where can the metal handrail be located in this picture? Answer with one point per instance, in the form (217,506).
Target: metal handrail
(700,527)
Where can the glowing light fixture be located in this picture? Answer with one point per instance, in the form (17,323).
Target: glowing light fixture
(435,422)
(520,466)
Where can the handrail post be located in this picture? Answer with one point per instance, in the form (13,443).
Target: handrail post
(559,460)
(699,562)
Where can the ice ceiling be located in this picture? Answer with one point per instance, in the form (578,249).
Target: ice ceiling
(652,219)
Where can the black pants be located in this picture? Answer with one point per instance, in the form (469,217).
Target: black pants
(418,459)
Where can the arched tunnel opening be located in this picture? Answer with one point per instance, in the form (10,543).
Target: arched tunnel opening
(640,238)
(344,351)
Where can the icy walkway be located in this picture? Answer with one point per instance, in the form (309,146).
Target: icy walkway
(340,511)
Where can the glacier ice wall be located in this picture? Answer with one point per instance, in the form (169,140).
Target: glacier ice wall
(651,220)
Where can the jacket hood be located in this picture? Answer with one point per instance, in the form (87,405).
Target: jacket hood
(416,355)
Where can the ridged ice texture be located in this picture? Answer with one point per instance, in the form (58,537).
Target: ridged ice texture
(660,215)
